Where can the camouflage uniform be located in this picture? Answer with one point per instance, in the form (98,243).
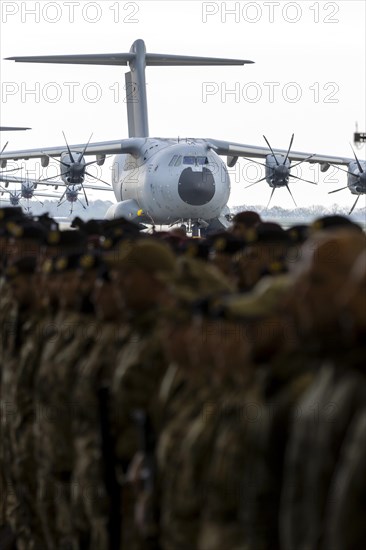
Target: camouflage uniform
(232,469)
(95,505)
(11,343)
(70,337)
(135,385)
(23,420)
(183,404)
(280,386)
(324,416)
(7,320)
(345,518)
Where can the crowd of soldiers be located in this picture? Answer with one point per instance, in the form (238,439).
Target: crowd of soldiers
(166,392)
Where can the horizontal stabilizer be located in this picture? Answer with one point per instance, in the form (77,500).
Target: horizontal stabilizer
(159,59)
(12,128)
(89,59)
(153,59)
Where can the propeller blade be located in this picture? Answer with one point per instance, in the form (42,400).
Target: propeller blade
(8,171)
(41,203)
(255,183)
(252,160)
(3,149)
(270,198)
(343,170)
(53,177)
(68,148)
(336,190)
(353,207)
(289,149)
(358,162)
(82,204)
(108,157)
(86,198)
(56,159)
(288,189)
(62,196)
(85,148)
(302,179)
(266,140)
(304,160)
(98,179)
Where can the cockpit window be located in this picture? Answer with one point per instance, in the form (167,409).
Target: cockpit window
(198,161)
(189,160)
(178,162)
(172,162)
(202,160)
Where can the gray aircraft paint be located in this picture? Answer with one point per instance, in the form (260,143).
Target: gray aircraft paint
(144,182)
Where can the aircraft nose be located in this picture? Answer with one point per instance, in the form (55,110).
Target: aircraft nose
(196,187)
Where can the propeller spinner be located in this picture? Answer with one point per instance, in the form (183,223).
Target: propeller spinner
(73,171)
(278,170)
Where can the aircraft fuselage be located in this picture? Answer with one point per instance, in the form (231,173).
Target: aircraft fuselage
(172,180)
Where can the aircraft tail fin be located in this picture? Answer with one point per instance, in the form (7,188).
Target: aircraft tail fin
(137,59)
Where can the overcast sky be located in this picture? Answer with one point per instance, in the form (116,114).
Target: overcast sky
(308,78)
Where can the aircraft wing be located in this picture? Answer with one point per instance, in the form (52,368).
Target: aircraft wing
(15,179)
(116,147)
(40,194)
(233,150)
(63,184)
(11,179)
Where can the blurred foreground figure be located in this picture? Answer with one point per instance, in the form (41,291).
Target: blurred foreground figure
(324,413)
(345,520)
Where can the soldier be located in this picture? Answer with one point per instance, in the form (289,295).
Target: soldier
(345,525)
(243,487)
(96,494)
(58,243)
(70,336)
(141,270)
(266,246)
(25,238)
(333,223)
(244,222)
(186,395)
(326,408)
(222,250)
(22,241)
(18,405)
(7,304)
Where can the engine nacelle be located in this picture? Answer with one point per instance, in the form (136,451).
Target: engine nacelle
(277,170)
(356,180)
(45,161)
(128,209)
(74,171)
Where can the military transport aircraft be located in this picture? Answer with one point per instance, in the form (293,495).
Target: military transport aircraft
(27,191)
(164,180)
